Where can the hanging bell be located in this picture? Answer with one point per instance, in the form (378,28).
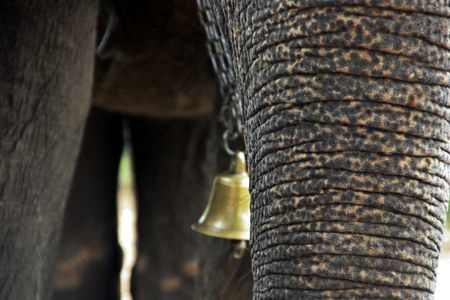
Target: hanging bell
(227,214)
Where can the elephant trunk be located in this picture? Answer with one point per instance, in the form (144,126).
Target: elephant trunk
(347,130)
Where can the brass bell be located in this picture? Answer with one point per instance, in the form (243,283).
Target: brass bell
(227,214)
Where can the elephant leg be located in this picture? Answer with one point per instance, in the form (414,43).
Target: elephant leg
(347,120)
(172,181)
(46,64)
(88,264)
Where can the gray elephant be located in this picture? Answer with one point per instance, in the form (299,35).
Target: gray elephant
(347,122)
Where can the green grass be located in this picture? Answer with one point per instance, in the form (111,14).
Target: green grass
(125,168)
(447,223)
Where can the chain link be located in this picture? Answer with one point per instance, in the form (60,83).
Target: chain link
(231,110)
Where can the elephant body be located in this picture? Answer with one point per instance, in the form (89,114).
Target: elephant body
(346,116)
(47,77)
(158,65)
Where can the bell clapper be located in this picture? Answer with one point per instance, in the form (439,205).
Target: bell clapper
(239,248)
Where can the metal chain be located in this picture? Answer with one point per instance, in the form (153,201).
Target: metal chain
(231,110)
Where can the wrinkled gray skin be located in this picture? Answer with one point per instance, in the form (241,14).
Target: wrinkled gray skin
(347,135)
(347,125)
(45,79)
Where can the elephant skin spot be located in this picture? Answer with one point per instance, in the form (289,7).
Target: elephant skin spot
(190,268)
(69,273)
(170,284)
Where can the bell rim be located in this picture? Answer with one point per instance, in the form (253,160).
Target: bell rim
(243,235)
(230,179)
